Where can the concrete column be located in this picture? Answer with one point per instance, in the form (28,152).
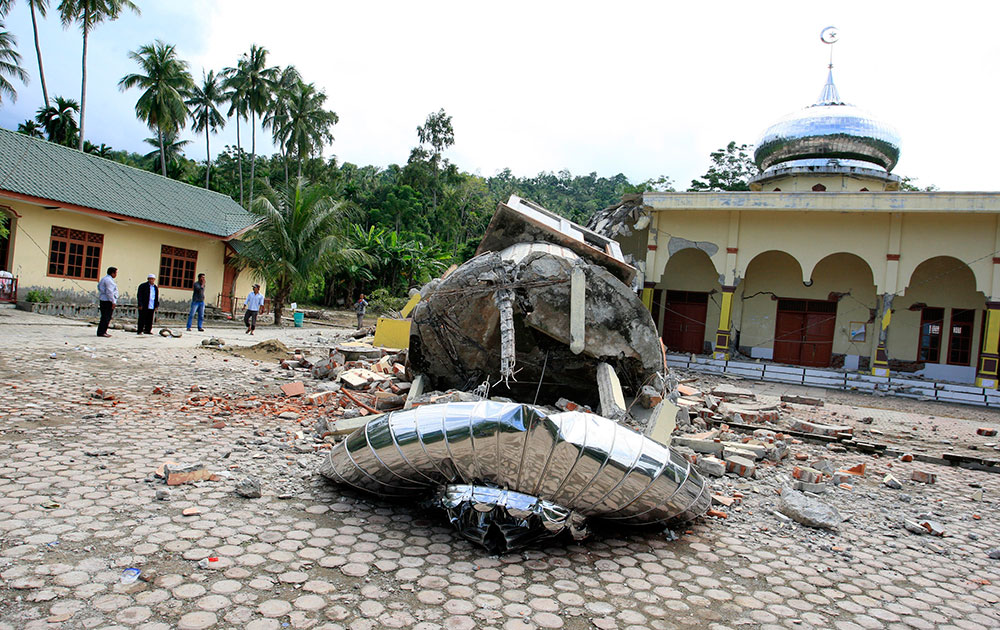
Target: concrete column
(723,336)
(989,357)
(880,360)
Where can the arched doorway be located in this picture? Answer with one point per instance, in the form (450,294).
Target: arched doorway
(683,304)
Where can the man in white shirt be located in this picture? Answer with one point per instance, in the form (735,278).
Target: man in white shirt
(107,295)
(253,303)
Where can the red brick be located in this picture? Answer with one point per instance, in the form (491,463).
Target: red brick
(293,389)
(923,476)
(906,457)
(857,470)
(986,431)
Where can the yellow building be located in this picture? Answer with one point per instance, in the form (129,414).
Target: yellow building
(72,215)
(824,262)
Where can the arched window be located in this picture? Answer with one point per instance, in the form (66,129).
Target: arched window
(776,190)
(819,188)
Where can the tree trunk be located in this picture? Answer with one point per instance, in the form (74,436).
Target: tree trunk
(163,153)
(38,53)
(300,167)
(239,153)
(253,153)
(83,81)
(284,158)
(208,156)
(279,303)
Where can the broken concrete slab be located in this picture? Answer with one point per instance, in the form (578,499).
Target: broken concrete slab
(710,447)
(805,486)
(730,393)
(808,511)
(830,430)
(750,412)
(177,474)
(741,466)
(663,422)
(711,466)
(293,389)
(609,390)
(806,474)
(802,400)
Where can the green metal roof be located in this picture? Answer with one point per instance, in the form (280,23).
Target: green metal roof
(35,167)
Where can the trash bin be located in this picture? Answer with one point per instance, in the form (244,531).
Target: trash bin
(298,318)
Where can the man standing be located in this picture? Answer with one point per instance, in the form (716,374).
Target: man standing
(107,295)
(360,307)
(198,303)
(148,299)
(253,303)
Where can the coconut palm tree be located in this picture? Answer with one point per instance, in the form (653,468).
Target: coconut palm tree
(276,118)
(30,128)
(235,96)
(309,126)
(88,14)
(39,7)
(300,232)
(166,83)
(167,150)
(59,121)
(255,82)
(205,116)
(10,63)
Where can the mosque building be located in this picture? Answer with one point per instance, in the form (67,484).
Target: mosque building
(825,262)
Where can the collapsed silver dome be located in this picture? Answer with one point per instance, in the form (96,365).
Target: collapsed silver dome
(828,130)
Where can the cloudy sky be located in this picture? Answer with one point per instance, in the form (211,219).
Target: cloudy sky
(640,88)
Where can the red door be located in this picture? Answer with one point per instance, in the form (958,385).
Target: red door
(228,286)
(803,332)
(684,321)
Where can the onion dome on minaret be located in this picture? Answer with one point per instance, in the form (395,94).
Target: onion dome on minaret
(828,137)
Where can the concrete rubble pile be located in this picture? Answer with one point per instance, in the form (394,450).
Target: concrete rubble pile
(518,345)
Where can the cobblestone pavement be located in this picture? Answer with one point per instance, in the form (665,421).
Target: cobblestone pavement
(78,506)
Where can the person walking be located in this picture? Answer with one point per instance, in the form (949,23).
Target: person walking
(107,296)
(253,303)
(360,307)
(148,300)
(198,303)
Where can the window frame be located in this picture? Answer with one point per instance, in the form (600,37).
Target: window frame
(87,241)
(968,348)
(178,258)
(926,320)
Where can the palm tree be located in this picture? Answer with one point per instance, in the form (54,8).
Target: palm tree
(255,83)
(39,6)
(276,118)
(88,14)
(299,233)
(59,120)
(167,149)
(204,114)
(237,108)
(10,63)
(30,128)
(309,126)
(166,82)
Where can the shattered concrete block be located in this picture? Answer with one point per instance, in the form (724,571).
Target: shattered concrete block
(806,474)
(711,466)
(741,466)
(293,389)
(686,390)
(663,421)
(649,397)
(177,474)
(322,369)
(914,527)
(824,465)
(345,426)
(933,527)
(568,405)
(249,487)
(802,400)
(697,445)
(609,390)
(729,392)
(750,412)
(808,511)
(321,398)
(754,450)
(821,429)
(891,482)
(388,400)
(805,486)
(776,451)
(842,477)
(729,451)
(923,476)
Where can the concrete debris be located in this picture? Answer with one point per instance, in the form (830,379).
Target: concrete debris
(923,476)
(249,487)
(802,400)
(891,482)
(609,390)
(731,393)
(994,554)
(213,341)
(821,429)
(711,466)
(808,511)
(177,474)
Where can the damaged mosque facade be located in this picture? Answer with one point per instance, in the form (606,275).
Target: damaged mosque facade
(825,262)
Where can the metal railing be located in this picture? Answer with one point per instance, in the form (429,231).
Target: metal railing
(8,290)
(232,304)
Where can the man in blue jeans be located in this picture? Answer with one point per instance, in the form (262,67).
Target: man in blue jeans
(198,303)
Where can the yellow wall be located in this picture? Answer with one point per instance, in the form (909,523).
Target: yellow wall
(691,270)
(804,182)
(134,249)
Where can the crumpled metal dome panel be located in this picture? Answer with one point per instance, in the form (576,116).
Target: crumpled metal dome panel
(830,129)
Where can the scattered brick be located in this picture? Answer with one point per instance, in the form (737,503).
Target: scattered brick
(906,457)
(858,469)
(177,474)
(293,389)
(923,476)
(806,474)
(986,431)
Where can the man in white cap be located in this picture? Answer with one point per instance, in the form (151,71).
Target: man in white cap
(148,299)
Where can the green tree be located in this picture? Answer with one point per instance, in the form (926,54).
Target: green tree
(308,127)
(165,84)
(299,234)
(10,63)
(205,114)
(88,14)
(277,116)
(908,184)
(254,81)
(59,121)
(237,109)
(40,7)
(167,153)
(731,170)
(30,128)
